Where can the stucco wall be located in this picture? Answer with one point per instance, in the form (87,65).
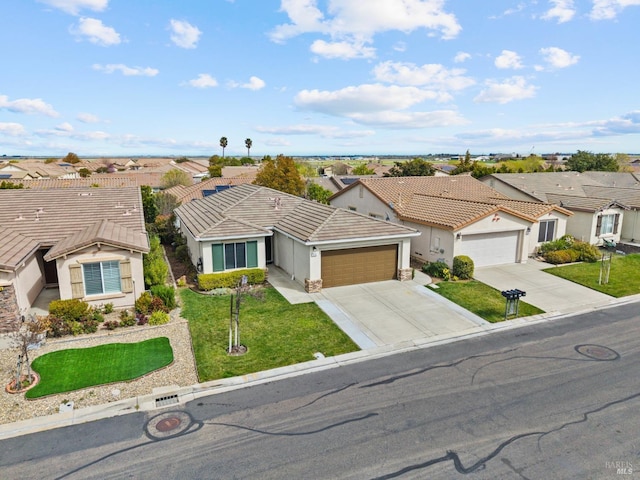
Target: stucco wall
(29,283)
(631,226)
(582,226)
(365,203)
(507,190)
(92,254)
(560,230)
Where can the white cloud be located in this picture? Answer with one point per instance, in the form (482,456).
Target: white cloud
(183,34)
(204,80)
(88,118)
(508,59)
(389,119)
(74,6)
(461,57)
(362,20)
(125,70)
(514,88)
(362,99)
(625,125)
(325,131)
(562,10)
(65,127)
(400,46)
(342,50)
(96,32)
(609,9)
(27,105)
(254,83)
(558,58)
(11,129)
(431,74)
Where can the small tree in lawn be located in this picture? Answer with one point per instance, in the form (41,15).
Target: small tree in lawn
(242,288)
(28,336)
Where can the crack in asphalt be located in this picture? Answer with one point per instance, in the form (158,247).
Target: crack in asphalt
(295,434)
(433,367)
(332,392)
(481,464)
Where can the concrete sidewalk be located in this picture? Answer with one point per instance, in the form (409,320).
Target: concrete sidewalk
(548,292)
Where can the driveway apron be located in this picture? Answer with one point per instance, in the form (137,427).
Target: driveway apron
(548,292)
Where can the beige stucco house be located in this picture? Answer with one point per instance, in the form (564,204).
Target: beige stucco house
(605,205)
(457,215)
(319,246)
(86,242)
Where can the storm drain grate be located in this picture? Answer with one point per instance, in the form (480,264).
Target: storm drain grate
(168,400)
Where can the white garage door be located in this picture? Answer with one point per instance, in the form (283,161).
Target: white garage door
(490,248)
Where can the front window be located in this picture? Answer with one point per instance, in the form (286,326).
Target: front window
(607,224)
(228,256)
(101,277)
(546,231)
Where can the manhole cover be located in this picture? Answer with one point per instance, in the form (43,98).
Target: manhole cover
(168,424)
(597,352)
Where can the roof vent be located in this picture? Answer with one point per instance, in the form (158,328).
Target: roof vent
(85,194)
(127,213)
(20,217)
(40,210)
(119,205)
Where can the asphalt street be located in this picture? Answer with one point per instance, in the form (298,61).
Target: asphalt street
(557,400)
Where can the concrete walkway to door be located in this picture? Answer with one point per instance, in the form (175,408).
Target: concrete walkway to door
(384,313)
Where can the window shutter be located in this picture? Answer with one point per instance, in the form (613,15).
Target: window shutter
(126,279)
(252,254)
(218,257)
(77,287)
(615,223)
(598,225)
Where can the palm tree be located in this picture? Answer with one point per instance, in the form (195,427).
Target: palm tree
(248,143)
(223,143)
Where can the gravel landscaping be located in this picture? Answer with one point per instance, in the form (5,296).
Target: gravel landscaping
(182,372)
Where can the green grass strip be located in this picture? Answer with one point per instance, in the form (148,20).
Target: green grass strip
(624,275)
(481,299)
(275,332)
(76,368)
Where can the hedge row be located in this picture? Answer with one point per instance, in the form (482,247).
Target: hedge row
(210,281)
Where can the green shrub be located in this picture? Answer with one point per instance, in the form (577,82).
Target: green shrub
(111,324)
(157,305)
(107,308)
(462,267)
(562,256)
(437,269)
(58,327)
(72,309)
(155,268)
(158,318)
(143,303)
(166,293)
(210,281)
(127,320)
(96,315)
(182,253)
(588,253)
(562,243)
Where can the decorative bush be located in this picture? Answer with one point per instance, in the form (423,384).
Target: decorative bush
(107,308)
(210,281)
(143,303)
(96,315)
(58,327)
(142,319)
(72,309)
(462,267)
(128,321)
(588,253)
(182,253)
(155,268)
(437,269)
(562,243)
(111,324)
(562,256)
(158,318)
(166,293)
(157,305)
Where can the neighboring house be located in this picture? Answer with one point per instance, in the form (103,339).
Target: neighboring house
(87,242)
(457,215)
(92,181)
(606,205)
(319,246)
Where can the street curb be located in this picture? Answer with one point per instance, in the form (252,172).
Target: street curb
(146,403)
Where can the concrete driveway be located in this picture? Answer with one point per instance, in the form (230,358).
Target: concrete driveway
(548,292)
(390,312)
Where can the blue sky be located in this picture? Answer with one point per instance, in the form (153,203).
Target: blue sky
(319,77)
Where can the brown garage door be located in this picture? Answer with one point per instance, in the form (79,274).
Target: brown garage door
(359,265)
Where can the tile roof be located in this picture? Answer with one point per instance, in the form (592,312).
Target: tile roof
(400,190)
(583,204)
(538,185)
(68,219)
(94,180)
(192,192)
(251,209)
(628,196)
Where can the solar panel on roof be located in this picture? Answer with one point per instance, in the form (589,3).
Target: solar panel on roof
(220,188)
(349,181)
(5,175)
(206,193)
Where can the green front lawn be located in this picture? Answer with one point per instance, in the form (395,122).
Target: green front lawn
(624,276)
(76,368)
(275,333)
(481,299)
